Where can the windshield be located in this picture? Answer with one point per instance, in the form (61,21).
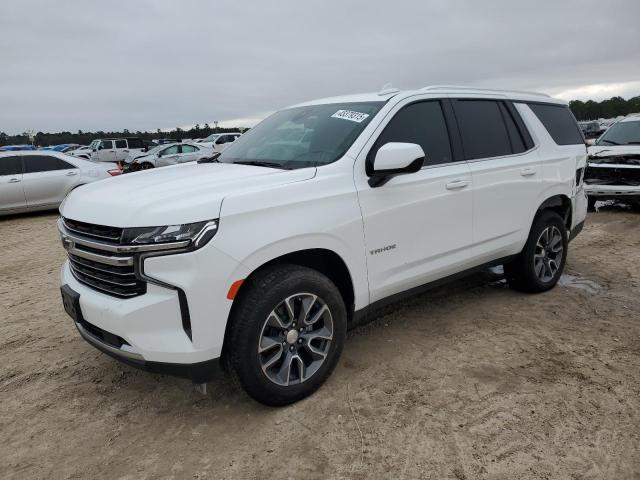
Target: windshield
(622,133)
(211,137)
(94,144)
(303,136)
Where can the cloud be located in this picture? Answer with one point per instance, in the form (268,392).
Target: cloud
(147,64)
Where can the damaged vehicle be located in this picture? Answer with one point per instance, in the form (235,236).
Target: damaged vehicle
(613,169)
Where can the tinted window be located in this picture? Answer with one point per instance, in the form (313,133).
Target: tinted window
(121,144)
(482,129)
(422,123)
(189,149)
(43,163)
(106,145)
(517,143)
(10,166)
(559,122)
(135,143)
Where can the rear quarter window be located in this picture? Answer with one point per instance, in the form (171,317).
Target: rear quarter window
(559,122)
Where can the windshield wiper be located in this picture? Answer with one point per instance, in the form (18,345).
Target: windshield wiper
(212,159)
(633,143)
(258,163)
(609,141)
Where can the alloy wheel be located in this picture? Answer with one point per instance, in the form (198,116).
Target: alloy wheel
(295,339)
(547,258)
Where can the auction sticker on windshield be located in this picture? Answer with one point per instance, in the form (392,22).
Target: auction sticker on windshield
(350,115)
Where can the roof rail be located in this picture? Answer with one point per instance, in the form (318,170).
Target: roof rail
(490,90)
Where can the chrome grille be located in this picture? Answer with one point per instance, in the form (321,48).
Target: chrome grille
(99,232)
(96,260)
(119,281)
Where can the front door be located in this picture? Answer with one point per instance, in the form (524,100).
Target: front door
(11,190)
(417,227)
(47,179)
(106,151)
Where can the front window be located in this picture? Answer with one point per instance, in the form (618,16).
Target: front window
(301,137)
(622,133)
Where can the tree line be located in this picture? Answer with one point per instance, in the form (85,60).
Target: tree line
(43,139)
(611,108)
(589,110)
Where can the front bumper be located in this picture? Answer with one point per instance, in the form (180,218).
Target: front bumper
(152,324)
(119,349)
(612,191)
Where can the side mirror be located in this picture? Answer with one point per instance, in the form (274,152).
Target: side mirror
(395,158)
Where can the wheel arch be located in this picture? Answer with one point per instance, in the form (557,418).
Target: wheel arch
(323,260)
(559,203)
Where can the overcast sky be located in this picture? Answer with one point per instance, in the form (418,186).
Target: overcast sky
(147,64)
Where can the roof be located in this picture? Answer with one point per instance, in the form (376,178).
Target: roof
(632,117)
(388,93)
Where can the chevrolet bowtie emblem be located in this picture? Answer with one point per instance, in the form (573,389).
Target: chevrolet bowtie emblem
(67,243)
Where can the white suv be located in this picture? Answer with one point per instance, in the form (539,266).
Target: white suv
(326,210)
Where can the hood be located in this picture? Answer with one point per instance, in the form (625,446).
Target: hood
(170,195)
(618,154)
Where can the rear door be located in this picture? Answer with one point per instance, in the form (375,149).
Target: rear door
(47,179)
(189,153)
(506,173)
(11,189)
(121,150)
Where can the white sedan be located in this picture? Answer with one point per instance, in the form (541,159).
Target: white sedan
(38,180)
(172,154)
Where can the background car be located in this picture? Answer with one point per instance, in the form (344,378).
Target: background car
(613,169)
(63,147)
(164,155)
(83,151)
(115,150)
(219,141)
(40,180)
(16,148)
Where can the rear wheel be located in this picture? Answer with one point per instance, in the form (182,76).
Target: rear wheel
(287,333)
(539,266)
(146,166)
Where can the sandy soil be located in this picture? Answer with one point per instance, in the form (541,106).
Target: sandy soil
(469,381)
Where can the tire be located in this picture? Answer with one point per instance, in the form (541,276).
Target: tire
(145,166)
(526,272)
(591,204)
(275,376)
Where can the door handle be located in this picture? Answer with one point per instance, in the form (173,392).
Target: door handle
(527,172)
(456,184)
(14,180)
(71,174)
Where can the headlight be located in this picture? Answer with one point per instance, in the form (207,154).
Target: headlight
(198,234)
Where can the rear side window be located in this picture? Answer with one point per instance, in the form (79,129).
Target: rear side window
(44,163)
(188,149)
(482,128)
(422,123)
(135,143)
(559,122)
(10,166)
(121,144)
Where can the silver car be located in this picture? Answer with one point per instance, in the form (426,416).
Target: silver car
(40,180)
(171,154)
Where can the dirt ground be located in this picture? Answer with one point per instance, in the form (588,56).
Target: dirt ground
(470,381)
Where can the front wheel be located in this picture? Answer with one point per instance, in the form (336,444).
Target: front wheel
(539,266)
(287,333)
